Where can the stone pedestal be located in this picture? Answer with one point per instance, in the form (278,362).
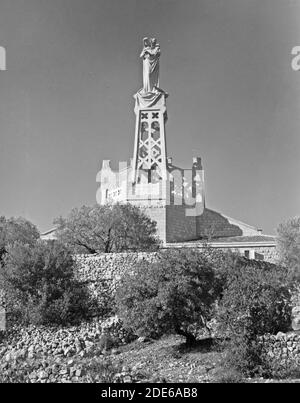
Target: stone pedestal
(150,154)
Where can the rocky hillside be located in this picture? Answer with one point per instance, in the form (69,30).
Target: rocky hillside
(86,354)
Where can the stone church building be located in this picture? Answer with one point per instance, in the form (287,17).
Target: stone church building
(173,196)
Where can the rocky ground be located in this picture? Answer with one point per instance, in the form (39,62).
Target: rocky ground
(140,361)
(88,354)
(169,360)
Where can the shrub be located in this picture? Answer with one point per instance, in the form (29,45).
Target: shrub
(289,248)
(170,295)
(229,376)
(99,370)
(16,230)
(275,370)
(256,301)
(40,286)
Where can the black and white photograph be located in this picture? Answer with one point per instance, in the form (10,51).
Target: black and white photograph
(149,194)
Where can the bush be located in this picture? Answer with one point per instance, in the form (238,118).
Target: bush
(170,295)
(289,248)
(229,376)
(40,286)
(256,301)
(101,371)
(16,230)
(275,370)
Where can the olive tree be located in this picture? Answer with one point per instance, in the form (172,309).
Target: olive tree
(108,228)
(169,295)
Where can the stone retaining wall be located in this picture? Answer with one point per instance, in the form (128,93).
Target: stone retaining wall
(43,354)
(108,266)
(282,351)
(42,341)
(101,273)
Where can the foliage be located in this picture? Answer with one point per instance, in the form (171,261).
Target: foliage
(289,247)
(229,376)
(109,228)
(40,286)
(275,370)
(170,295)
(101,371)
(256,301)
(16,230)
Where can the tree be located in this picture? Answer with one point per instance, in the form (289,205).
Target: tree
(289,247)
(16,230)
(255,301)
(40,285)
(170,295)
(109,228)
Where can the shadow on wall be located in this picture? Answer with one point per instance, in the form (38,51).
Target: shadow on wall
(212,224)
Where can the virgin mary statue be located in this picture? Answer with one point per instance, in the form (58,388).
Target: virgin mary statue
(150,56)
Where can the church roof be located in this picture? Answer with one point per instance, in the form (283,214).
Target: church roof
(251,238)
(242,241)
(49,235)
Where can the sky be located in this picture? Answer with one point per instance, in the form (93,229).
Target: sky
(66,100)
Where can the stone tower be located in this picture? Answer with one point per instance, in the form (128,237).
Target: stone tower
(172,196)
(150,153)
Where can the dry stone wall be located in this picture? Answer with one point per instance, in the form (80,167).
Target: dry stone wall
(108,266)
(101,273)
(281,351)
(59,354)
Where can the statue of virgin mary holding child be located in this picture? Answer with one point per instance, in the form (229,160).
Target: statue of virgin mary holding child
(150,56)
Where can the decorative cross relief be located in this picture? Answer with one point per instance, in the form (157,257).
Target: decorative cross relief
(150,155)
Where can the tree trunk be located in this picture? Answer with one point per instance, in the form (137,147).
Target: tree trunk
(91,250)
(108,241)
(190,340)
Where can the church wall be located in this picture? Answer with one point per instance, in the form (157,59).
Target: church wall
(266,253)
(180,227)
(158,214)
(270,253)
